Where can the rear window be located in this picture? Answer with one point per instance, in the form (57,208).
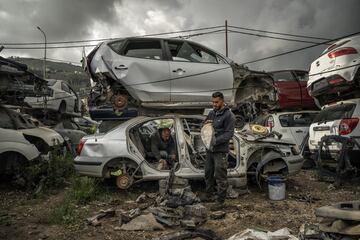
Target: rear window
(297,119)
(335,112)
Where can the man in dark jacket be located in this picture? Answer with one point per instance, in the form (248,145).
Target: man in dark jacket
(163,148)
(223,121)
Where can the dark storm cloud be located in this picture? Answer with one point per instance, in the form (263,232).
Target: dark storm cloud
(89,19)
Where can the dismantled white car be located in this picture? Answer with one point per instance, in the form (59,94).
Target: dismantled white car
(62,99)
(125,154)
(335,75)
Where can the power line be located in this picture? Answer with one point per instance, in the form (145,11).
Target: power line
(105,39)
(279,38)
(300,49)
(279,33)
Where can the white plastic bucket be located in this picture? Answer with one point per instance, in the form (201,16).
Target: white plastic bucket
(277,188)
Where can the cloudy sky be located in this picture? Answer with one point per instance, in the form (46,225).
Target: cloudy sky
(67,20)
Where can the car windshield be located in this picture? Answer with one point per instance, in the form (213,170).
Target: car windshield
(335,112)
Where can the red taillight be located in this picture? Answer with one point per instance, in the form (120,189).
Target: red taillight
(336,81)
(342,51)
(347,125)
(80,146)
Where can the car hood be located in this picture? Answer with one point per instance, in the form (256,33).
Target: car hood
(50,136)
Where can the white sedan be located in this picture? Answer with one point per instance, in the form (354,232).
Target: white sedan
(63,98)
(124,152)
(335,75)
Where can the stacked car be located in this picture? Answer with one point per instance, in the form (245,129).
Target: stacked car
(334,83)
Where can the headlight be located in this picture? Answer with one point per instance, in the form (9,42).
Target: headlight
(295,150)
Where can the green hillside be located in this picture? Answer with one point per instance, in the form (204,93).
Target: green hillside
(73,74)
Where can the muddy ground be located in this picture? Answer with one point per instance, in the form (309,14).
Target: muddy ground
(22,217)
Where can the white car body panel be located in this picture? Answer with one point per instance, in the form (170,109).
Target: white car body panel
(14,141)
(331,127)
(51,137)
(53,102)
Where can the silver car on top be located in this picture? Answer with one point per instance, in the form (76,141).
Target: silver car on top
(156,72)
(124,152)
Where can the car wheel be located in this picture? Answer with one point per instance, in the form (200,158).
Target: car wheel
(62,107)
(126,173)
(13,167)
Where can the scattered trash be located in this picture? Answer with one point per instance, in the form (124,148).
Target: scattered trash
(283,233)
(141,198)
(304,197)
(231,193)
(342,218)
(143,223)
(94,221)
(217,215)
(190,234)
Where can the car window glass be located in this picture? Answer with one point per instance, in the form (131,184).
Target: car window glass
(5,120)
(144,49)
(335,112)
(183,51)
(65,87)
(302,119)
(283,76)
(284,120)
(302,76)
(116,46)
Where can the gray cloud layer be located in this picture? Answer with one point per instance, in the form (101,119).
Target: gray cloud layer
(89,19)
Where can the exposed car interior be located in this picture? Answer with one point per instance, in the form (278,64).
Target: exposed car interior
(141,136)
(196,147)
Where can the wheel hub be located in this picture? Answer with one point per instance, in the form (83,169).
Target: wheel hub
(124,181)
(120,102)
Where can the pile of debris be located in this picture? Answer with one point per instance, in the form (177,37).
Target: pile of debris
(176,206)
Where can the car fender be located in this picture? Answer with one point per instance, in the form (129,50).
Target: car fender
(29,151)
(266,159)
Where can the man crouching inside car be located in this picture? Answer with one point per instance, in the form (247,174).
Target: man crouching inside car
(223,121)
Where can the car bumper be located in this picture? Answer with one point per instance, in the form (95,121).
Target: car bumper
(90,166)
(322,87)
(108,113)
(294,163)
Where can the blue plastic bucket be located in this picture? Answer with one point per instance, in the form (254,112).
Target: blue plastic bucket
(276,186)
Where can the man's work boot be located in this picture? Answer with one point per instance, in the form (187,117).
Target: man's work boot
(207,197)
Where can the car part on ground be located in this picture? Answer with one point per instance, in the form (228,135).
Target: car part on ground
(123,152)
(206,234)
(16,82)
(342,218)
(63,98)
(335,75)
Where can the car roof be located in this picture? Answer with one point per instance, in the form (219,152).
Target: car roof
(168,39)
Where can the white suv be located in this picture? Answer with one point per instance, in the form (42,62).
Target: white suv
(335,75)
(339,119)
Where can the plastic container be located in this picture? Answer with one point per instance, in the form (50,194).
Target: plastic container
(277,188)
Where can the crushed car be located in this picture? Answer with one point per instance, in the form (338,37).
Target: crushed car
(62,99)
(124,152)
(45,139)
(16,83)
(162,74)
(335,75)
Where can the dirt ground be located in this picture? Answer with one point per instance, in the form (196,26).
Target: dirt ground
(21,217)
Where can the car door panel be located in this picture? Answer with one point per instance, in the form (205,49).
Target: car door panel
(196,72)
(146,78)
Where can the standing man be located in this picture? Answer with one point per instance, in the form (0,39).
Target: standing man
(223,121)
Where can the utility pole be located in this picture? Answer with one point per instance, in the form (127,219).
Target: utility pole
(226,39)
(44,70)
